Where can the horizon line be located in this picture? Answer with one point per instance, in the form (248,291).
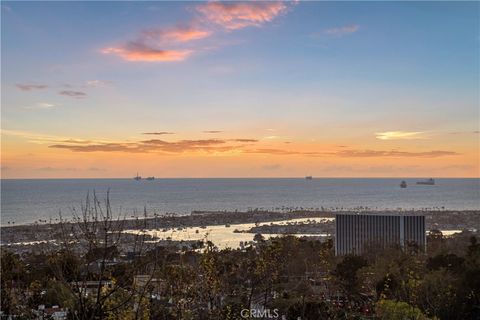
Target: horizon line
(293,177)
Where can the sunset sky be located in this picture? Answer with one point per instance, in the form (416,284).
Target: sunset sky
(257,89)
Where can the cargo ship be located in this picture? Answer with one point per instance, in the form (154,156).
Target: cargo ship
(428,182)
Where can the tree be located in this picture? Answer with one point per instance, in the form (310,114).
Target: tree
(437,294)
(88,246)
(258,237)
(470,281)
(397,310)
(346,271)
(12,272)
(449,261)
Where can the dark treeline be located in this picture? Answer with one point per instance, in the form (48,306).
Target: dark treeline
(298,277)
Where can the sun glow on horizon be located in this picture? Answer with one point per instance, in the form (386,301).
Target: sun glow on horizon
(240,89)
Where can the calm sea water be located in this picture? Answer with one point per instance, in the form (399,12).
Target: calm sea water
(26,201)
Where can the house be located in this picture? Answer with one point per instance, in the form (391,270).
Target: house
(54,313)
(90,287)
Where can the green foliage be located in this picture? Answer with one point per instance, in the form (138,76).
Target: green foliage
(309,310)
(398,310)
(300,278)
(59,294)
(119,306)
(449,261)
(346,272)
(11,275)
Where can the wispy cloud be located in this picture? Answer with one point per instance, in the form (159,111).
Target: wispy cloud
(42,105)
(342,31)
(136,51)
(358,153)
(281,152)
(159,133)
(30,87)
(465,132)
(177,43)
(245,140)
(237,145)
(400,135)
(394,154)
(73,94)
(175,34)
(211,146)
(237,15)
(160,44)
(53,169)
(212,131)
(97,83)
(154,145)
(43,138)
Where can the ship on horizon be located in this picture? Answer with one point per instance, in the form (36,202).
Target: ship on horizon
(428,182)
(308,178)
(137,177)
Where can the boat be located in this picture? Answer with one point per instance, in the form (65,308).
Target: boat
(137,177)
(150,178)
(403,184)
(308,178)
(428,182)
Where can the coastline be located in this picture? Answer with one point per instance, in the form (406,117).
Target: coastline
(22,237)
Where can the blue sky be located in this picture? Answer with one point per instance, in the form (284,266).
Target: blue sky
(317,74)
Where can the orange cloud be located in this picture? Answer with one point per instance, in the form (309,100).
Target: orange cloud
(135,51)
(177,34)
(153,145)
(245,140)
(237,15)
(238,145)
(400,135)
(150,44)
(159,133)
(394,153)
(359,153)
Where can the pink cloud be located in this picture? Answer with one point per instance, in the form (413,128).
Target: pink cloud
(150,44)
(168,44)
(135,51)
(176,34)
(237,15)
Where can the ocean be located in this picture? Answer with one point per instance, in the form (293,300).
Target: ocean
(27,201)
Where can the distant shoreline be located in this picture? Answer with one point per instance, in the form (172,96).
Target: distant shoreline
(219,217)
(436,219)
